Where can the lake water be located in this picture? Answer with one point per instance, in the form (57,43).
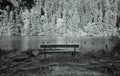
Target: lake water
(33,42)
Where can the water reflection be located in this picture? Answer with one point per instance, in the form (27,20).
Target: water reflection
(34,42)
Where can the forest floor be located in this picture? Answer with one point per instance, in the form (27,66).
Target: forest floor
(58,64)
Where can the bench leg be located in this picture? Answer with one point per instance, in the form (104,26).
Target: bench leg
(73,53)
(44,53)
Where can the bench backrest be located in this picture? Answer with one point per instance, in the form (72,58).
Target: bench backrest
(60,45)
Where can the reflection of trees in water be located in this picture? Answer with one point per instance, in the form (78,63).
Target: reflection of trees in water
(60,40)
(25,42)
(16,43)
(33,42)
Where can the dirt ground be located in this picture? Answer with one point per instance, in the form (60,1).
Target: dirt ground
(58,64)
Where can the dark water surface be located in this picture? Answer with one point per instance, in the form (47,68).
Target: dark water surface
(34,42)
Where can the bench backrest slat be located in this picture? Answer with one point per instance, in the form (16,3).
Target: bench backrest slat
(59,45)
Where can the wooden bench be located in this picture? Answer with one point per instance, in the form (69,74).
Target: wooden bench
(61,46)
